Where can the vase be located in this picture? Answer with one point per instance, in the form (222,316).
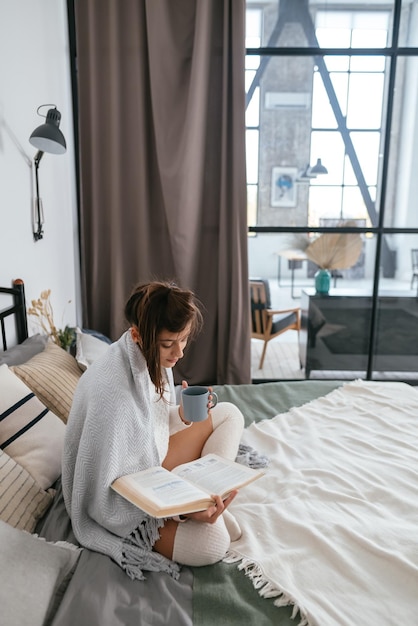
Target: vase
(322,281)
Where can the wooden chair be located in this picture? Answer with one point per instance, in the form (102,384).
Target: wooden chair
(267,323)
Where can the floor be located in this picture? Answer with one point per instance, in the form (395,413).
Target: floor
(282,357)
(281,360)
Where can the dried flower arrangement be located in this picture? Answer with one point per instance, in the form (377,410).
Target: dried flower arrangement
(331,251)
(43,311)
(335,251)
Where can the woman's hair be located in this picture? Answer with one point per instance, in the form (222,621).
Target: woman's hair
(156,306)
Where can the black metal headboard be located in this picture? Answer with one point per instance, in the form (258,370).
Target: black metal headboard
(18,309)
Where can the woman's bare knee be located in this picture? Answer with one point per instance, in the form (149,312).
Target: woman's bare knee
(164,545)
(187,445)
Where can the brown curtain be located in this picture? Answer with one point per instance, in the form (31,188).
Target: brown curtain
(162,167)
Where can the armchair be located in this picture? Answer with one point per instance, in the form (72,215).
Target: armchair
(267,323)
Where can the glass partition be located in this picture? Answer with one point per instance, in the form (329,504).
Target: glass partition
(332,155)
(336,326)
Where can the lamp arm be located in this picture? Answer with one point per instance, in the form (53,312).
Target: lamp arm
(38,218)
(38,156)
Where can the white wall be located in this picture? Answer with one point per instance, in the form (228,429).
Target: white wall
(262,255)
(35,70)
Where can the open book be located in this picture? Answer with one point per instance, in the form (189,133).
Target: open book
(187,488)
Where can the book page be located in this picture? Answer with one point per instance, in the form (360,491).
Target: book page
(216,475)
(162,487)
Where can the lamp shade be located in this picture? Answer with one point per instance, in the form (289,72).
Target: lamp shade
(48,137)
(318,168)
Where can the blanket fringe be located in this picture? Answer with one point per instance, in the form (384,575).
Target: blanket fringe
(137,553)
(264,587)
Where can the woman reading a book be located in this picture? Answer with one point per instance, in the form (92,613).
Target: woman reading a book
(123,420)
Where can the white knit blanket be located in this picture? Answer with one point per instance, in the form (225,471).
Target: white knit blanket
(110,432)
(332,528)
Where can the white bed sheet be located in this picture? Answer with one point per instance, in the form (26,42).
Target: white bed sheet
(332,527)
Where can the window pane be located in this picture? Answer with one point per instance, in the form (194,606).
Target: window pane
(252,204)
(366,146)
(340,84)
(353,206)
(252,155)
(352,29)
(332,28)
(249,77)
(252,114)
(337,63)
(370,22)
(252,37)
(333,38)
(324,202)
(329,147)
(253,19)
(323,115)
(369,38)
(367,64)
(252,61)
(365,101)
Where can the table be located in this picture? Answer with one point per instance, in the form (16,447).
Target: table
(335,331)
(295,259)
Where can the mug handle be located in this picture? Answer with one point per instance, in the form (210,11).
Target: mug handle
(214,399)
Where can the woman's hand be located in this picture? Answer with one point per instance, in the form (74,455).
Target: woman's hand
(214,511)
(210,403)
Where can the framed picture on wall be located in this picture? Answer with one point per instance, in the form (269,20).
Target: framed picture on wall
(283,186)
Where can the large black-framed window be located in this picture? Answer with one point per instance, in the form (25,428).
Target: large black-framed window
(339,83)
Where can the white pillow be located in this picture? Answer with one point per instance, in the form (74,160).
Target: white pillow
(34,574)
(88,349)
(29,432)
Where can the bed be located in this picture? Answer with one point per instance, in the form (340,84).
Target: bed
(329,534)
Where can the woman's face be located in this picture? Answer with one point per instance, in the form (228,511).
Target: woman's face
(172,346)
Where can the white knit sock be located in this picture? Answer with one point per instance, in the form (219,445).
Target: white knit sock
(199,544)
(228,424)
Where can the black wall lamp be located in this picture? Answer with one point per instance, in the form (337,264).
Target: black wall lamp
(46,138)
(318,168)
(312,172)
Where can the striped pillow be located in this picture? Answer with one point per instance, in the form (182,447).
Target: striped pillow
(22,501)
(53,376)
(29,432)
